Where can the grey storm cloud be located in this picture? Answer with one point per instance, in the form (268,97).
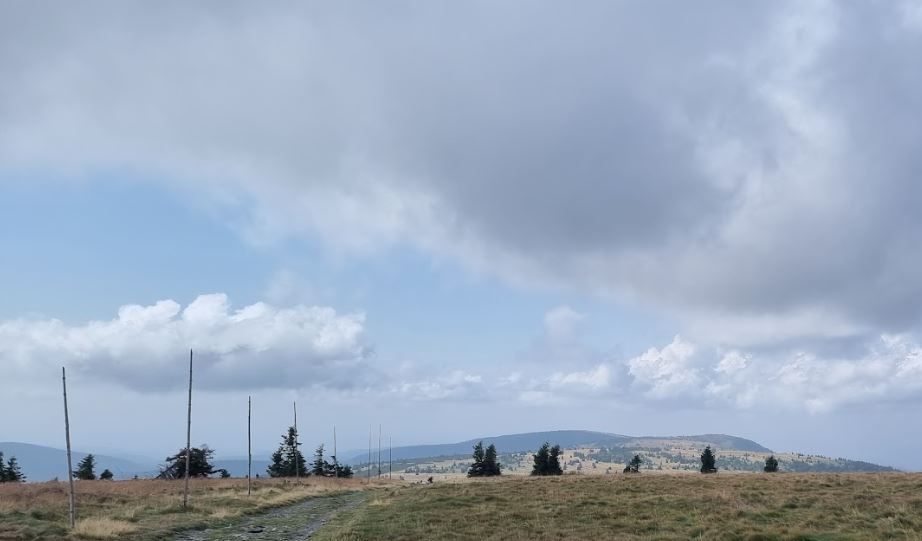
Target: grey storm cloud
(754,166)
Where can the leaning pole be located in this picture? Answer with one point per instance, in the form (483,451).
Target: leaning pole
(72,515)
(185,490)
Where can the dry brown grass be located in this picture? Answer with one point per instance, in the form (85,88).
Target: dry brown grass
(150,507)
(692,506)
(103,528)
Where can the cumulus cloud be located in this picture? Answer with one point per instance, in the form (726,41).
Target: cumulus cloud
(145,347)
(722,161)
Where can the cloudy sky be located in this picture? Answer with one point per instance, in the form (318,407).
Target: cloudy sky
(463,219)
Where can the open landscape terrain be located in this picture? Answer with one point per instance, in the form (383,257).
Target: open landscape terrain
(787,506)
(149,509)
(663,507)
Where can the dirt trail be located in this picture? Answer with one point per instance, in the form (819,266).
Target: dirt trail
(293,523)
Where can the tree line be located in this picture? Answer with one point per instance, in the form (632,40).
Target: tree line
(286,461)
(547,462)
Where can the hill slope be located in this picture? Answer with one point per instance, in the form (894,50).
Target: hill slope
(568,439)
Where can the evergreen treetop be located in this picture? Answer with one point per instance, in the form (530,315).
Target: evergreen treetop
(86,469)
(547,460)
(771,464)
(634,465)
(11,473)
(708,461)
(485,462)
(199,464)
(288,461)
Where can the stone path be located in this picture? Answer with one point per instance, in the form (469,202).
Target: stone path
(293,523)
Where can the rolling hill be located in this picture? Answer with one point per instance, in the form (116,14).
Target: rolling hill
(568,439)
(40,463)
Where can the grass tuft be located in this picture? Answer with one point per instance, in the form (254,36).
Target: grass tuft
(103,528)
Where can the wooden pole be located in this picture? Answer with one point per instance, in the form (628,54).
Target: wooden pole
(297,462)
(335,458)
(369,453)
(185,490)
(249,444)
(390,456)
(72,514)
(379,451)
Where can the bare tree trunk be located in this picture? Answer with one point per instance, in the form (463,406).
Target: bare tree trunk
(249,444)
(379,451)
(185,490)
(369,453)
(390,456)
(335,458)
(72,514)
(297,462)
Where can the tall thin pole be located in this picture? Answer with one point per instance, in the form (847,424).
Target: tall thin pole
(297,462)
(335,458)
(369,453)
(185,490)
(70,468)
(249,443)
(379,450)
(390,456)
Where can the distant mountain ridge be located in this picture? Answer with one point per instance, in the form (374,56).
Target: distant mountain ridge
(531,441)
(40,463)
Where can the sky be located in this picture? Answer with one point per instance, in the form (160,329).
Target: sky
(457,220)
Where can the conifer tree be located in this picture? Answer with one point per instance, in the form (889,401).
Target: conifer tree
(12,471)
(287,461)
(541,458)
(86,469)
(634,465)
(708,461)
(199,464)
(553,462)
(320,467)
(477,469)
(491,465)
(547,460)
(106,475)
(771,464)
(3,478)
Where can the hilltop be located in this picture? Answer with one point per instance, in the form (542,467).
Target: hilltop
(601,452)
(568,439)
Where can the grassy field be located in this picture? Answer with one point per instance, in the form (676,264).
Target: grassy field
(145,509)
(742,506)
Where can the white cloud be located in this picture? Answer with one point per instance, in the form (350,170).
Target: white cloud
(668,372)
(145,347)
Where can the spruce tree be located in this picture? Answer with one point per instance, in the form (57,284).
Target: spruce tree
(634,465)
(541,458)
(708,461)
(106,475)
(287,461)
(199,464)
(547,460)
(3,478)
(320,467)
(477,468)
(86,469)
(491,465)
(13,472)
(771,464)
(553,462)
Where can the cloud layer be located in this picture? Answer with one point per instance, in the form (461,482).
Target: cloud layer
(146,347)
(751,169)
